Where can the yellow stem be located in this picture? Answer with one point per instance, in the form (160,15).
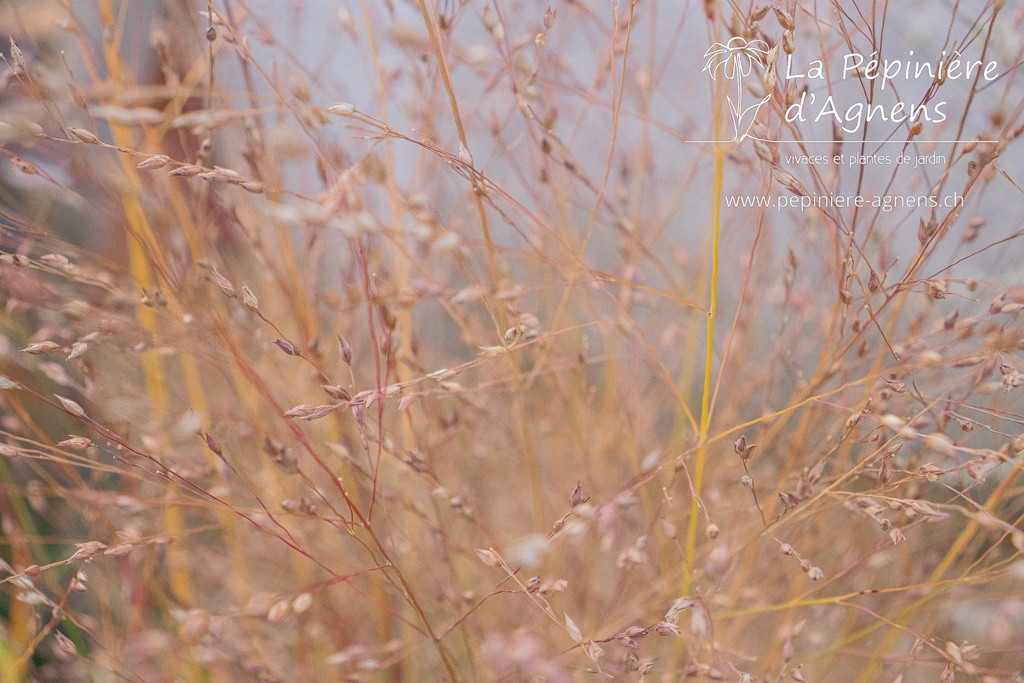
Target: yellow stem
(705,401)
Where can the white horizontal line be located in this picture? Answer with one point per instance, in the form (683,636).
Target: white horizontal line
(851,142)
(882,142)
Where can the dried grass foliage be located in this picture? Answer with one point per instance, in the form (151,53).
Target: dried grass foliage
(409,364)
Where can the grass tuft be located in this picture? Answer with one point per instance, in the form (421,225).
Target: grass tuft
(468,341)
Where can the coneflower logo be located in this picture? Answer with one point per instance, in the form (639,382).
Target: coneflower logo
(735,60)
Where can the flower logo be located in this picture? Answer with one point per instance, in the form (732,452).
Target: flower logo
(735,60)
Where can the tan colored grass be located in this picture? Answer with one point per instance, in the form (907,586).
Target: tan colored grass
(438,355)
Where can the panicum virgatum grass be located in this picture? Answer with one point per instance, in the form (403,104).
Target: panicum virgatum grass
(415,341)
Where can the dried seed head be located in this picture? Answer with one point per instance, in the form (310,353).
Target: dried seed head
(788,42)
(789,181)
(787,549)
(493,25)
(941,444)
(40,348)
(896,385)
(925,230)
(815,574)
(87,550)
(788,650)
(784,18)
(213,445)
(338,392)
(747,451)
(309,413)
(153,162)
(302,602)
(84,135)
(626,641)
(712,531)
(65,643)
(249,299)
(78,443)
(78,348)
(56,260)
(884,474)
(17,56)
(287,347)
(767,152)
(224,284)
(930,472)
(187,171)
(341,109)
(593,650)
(489,557)
(346,350)
(678,605)
(667,629)
(873,282)
(211,33)
(770,79)
(573,629)
(577,496)
(120,550)
(758,13)
(278,611)
(71,406)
